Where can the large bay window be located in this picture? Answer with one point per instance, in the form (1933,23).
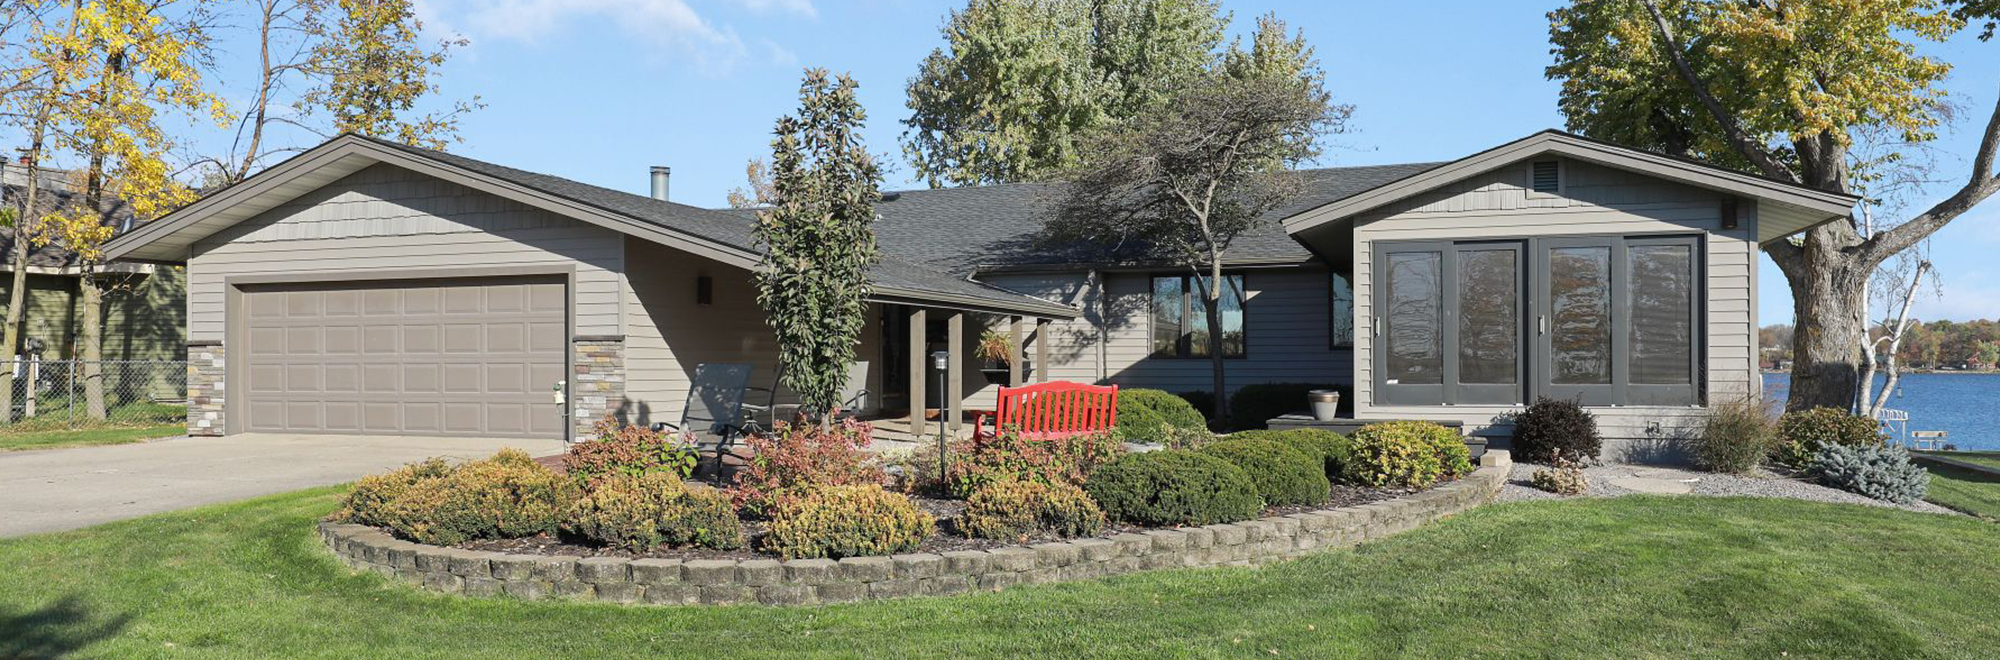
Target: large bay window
(1605,320)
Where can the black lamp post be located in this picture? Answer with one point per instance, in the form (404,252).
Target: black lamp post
(941,360)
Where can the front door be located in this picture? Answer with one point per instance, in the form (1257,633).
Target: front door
(1451,323)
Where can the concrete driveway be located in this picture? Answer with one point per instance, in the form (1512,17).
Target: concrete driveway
(58,489)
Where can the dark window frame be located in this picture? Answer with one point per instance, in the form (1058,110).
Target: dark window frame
(1183,346)
(1333,320)
(1536,354)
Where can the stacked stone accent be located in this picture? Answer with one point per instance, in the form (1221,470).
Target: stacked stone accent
(597,388)
(811,581)
(205,383)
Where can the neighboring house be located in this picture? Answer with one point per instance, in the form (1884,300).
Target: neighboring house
(366,286)
(145,305)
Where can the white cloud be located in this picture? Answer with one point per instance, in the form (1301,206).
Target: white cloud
(672,25)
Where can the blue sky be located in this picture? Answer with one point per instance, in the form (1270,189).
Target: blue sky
(598,90)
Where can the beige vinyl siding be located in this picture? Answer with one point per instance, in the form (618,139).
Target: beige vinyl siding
(384,218)
(669,334)
(1074,344)
(1595,201)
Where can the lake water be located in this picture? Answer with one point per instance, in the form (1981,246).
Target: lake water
(1965,406)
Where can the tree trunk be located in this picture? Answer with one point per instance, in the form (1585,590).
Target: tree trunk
(17,296)
(1828,296)
(91,343)
(1211,300)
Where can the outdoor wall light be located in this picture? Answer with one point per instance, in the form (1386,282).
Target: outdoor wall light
(704,290)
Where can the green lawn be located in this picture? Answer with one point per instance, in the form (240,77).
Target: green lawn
(1632,577)
(53,439)
(1987,458)
(1965,490)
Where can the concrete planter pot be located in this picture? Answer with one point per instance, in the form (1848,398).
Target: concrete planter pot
(1325,404)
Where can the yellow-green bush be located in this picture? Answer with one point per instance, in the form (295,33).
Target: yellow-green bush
(1802,434)
(506,496)
(368,502)
(1014,509)
(846,521)
(641,512)
(1404,455)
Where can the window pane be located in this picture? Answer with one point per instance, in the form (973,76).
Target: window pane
(1231,307)
(1580,327)
(1662,284)
(1415,316)
(1341,312)
(1167,305)
(1489,317)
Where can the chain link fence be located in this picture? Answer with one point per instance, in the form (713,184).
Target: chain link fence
(56,395)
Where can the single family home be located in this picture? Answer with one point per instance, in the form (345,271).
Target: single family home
(365,286)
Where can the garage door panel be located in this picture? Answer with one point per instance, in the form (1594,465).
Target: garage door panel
(454,357)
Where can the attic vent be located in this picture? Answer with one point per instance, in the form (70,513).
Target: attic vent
(1546,177)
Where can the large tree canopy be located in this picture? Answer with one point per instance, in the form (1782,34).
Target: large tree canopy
(1018,82)
(1784,89)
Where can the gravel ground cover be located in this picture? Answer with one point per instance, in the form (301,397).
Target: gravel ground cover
(1759,484)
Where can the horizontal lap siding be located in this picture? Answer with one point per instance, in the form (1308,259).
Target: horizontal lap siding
(669,334)
(1074,343)
(385,218)
(1285,325)
(1596,200)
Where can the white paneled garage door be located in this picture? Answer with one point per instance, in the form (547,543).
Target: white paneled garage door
(458,357)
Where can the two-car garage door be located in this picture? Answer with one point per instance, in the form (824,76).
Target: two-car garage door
(457,357)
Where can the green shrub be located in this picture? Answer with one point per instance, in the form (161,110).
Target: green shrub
(503,497)
(1555,428)
(1203,402)
(1155,416)
(846,521)
(1802,434)
(1330,447)
(369,501)
(1253,405)
(1011,456)
(622,449)
(1173,487)
(1282,475)
(1011,510)
(798,457)
(640,512)
(1404,455)
(1735,436)
(1881,472)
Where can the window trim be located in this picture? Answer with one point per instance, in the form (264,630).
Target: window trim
(1333,342)
(1183,346)
(1535,380)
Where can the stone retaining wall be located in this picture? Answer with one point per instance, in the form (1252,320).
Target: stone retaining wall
(808,581)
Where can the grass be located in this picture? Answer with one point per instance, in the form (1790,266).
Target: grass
(1632,577)
(1964,490)
(54,439)
(1986,458)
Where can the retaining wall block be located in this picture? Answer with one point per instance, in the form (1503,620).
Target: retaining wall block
(919,565)
(708,572)
(555,569)
(604,570)
(1096,550)
(1056,554)
(1013,559)
(619,592)
(656,571)
(760,572)
(867,569)
(672,593)
(965,562)
(811,571)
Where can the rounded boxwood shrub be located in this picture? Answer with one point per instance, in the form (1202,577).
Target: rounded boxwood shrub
(367,503)
(1404,455)
(1881,472)
(1174,487)
(641,512)
(1283,476)
(1156,416)
(846,521)
(1556,428)
(1013,509)
(1803,433)
(503,497)
(1330,447)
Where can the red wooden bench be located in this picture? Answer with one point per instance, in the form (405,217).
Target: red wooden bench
(1054,409)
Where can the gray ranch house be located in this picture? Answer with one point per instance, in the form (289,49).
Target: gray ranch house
(371,287)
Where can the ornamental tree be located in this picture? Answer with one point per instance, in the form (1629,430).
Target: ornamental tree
(1181,182)
(1785,90)
(819,240)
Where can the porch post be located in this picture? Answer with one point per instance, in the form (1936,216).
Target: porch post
(1041,350)
(954,377)
(919,377)
(1014,352)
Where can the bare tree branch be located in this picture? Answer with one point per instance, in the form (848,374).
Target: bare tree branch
(1981,185)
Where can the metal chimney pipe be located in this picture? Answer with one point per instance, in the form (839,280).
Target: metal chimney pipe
(660,174)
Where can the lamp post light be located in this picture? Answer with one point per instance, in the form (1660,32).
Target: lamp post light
(941,361)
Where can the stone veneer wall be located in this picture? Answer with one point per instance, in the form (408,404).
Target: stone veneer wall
(809,581)
(597,387)
(205,383)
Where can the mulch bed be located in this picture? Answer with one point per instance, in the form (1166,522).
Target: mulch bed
(945,540)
